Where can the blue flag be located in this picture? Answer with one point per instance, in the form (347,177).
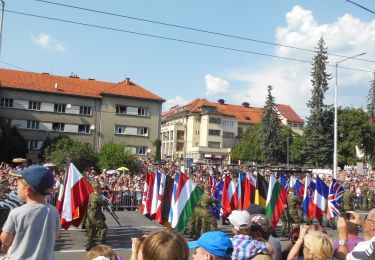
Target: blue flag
(218,192)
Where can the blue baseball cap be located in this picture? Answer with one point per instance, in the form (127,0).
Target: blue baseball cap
(38,177)
(216,243)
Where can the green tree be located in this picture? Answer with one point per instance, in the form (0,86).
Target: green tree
(270,131)
(114,155)
(354,130)
(286,139)
(12,143)
(65,149)
(157,145)
(249,147)
(297,150)
(371,100)
(319,142)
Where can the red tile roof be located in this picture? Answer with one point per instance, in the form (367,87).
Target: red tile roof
(43,82)
(244,115)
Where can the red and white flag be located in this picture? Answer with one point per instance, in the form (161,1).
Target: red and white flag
(158,215)
(73,198)
(229,200)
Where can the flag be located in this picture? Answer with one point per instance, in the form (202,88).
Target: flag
(335,193)
(319,202)
(241,178)
(167,197)
(284,181)
(174,195)
(308,196)
(187,197)
(276,198)
(218,192)
(253,186)
(261,191)
(212,183)
(155,195)
(293,180)
(143,208)
(158,214)
(150,193)
(73,198)
(247,192)
(299,189)
(229,200)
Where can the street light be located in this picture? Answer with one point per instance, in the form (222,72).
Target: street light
(335,120)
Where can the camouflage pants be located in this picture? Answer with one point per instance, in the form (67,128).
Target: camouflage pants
(96,227)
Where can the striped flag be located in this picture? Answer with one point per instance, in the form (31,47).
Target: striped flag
(229,199)
(155,195)
(308,196)
(284,181)
(174,195)
(336,191)
(276,199)
(319,202)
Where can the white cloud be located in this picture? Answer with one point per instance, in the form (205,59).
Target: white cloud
(346,36)
(174,102)
(46,41)
(215,85)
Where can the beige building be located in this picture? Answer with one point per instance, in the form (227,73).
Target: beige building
(206,131)
(90,111)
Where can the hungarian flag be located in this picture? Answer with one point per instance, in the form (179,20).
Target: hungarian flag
(73,198)
(276,198)
(261,191)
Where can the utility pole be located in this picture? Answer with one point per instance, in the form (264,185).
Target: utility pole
(1,23)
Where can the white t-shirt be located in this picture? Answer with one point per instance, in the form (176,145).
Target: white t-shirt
(34,227)
(363,250)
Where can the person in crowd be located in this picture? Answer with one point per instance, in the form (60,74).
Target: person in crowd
(244,246)
(364,249)
(31,230)
(95,222)
(160,245)
(212,245)
(101,252)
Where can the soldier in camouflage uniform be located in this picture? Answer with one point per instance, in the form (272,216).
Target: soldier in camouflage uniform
(364,197)
(370,198)
(285,226)
(347,199)
(294,208)
(202,220)
(95,223)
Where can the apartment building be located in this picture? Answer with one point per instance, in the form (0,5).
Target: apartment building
(41,105)
(207,131)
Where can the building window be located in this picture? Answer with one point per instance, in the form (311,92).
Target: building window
(197,132)
(213,144)
(83,110)
(228,134)
(84,129)
(142,111)
(34,105)
(197,119)
(214,132)
(215,120)
(120,109)
(32,124)
(59,127)
(59,108)
(141,150)
(240,131)
(6,102)
(228,123)
(32,144)
(142,131)
(120,129)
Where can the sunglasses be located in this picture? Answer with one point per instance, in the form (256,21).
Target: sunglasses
(366,219)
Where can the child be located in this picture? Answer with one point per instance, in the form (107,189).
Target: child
(102,252)
(30,230)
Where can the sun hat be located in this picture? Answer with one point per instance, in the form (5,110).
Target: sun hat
(216,243)
(240,219)
(37,177)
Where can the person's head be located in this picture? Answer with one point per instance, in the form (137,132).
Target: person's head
(34,182)
(256,209)
(317,246)
(101,251)
(96,186)
(240,221)
(212,245)
(369,225)
(164,244)
(260,226)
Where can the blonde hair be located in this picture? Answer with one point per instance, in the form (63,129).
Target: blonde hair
(319,244)
(101,250)
(165,244)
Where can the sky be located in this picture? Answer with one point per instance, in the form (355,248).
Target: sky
(197,64)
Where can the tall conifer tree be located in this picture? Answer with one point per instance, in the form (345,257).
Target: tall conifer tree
(270,131)
(371,101)
(319,141)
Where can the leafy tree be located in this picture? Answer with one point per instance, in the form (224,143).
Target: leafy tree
(354,130)
(270,131)
(249,147)
(12,143)
(157,144)
(371,100)
(319,142)
(297,150)
(114,155)
(65,149)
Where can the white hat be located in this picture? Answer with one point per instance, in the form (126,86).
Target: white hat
(240,219)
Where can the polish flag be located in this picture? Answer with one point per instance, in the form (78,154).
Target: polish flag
(73,198)
(229,199)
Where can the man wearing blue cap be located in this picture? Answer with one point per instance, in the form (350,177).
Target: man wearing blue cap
(31,230)
(212,245)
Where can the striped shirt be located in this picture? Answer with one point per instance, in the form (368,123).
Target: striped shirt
(244,247)
(11,202)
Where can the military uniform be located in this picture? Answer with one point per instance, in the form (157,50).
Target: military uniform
(95,223)
(370,198)
(347,199)
(294,208)
(364,197)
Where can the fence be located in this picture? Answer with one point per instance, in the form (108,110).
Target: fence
(121,200)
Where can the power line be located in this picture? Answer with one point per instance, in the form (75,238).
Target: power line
(360,6)
(193,29)
(174,39)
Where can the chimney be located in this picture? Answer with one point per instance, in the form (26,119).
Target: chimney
(246,104)
(221,101)
(127,81)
